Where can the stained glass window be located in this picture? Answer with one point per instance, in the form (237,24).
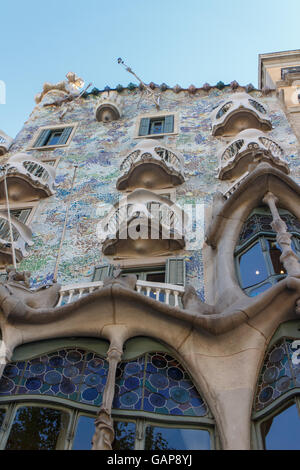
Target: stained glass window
(279,374)
(277,400)
(152,383)
(258,253)
(157,383)
(69,373)
(261,222)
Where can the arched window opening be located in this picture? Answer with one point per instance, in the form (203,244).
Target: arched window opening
(73,374)
(281,431)
(277,400)
(258,254)
(156,406)
(50,401)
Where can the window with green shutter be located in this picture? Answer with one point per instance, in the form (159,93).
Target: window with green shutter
(150,274)
(169,124)
(102,272)
(156,125)
(53,137)
(175,271)
(144,126)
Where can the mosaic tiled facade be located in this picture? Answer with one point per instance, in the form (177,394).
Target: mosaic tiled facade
(98,149)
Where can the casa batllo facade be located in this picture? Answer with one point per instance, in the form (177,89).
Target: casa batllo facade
(152,297)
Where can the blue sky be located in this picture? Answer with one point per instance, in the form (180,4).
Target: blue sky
(171,41)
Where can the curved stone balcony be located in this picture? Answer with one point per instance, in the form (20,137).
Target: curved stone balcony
(5,143)
(28,179)
(250,146)
(239,113)
(151,166)
(22,236)
(142,224)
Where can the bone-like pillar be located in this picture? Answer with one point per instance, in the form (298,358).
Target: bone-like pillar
(288,257)
(5,356)
(104,430)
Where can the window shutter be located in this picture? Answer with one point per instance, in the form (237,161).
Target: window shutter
(102,272)
(169,124)
(42,138)
(65,135)
(175,271)
(144,126)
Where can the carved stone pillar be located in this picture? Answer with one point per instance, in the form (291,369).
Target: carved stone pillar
(104,430)
(5,357)
(288,257)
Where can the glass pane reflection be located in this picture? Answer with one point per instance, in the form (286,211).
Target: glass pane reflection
(283,431)
(84,433)
(124,435)
(159,438)
(252,266)
(275,253)
(260,289)
(38,429)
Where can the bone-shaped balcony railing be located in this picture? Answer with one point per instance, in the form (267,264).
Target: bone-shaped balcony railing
(38,171)
(169,294)
(158,153)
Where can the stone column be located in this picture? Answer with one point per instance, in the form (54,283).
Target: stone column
(104,430)
(5,356)
(288,257)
